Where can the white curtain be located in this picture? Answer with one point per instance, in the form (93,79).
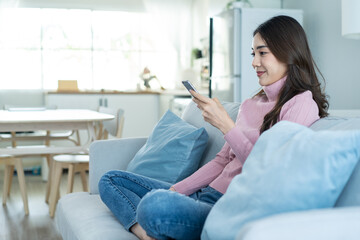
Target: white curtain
(175,20)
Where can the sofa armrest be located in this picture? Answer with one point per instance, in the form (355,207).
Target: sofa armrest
(106,155)
(329,224)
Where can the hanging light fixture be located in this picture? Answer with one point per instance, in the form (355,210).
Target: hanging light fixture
(350,15)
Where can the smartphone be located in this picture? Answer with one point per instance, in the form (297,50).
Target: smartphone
(189,86)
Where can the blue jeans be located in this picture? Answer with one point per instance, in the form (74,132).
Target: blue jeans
(162,213)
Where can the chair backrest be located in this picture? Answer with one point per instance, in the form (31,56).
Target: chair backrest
(115,126)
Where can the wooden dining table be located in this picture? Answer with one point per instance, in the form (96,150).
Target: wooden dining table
(36,119)
(22,120)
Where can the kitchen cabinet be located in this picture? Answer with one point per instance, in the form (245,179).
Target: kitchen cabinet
(141,109)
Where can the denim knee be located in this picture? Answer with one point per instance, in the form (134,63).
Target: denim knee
(153,209)
(105,180)
(156,202)
(165,214)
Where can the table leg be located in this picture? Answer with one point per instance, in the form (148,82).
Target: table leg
(50,174)
(7,185)
(22,184)
(71,175)
(11,175)
(55,186)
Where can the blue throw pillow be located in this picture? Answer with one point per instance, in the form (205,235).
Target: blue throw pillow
(172,152)
(291,168)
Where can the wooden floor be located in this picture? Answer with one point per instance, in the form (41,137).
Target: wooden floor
(37,225)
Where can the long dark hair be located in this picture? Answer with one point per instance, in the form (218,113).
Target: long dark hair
(286,39)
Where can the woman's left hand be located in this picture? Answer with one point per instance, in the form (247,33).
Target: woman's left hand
(213,112)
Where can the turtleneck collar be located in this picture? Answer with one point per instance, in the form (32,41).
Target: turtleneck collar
(272,91)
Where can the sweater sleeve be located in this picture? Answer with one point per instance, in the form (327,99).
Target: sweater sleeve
(206,174)
(300,109)
(240,143)
(242,138)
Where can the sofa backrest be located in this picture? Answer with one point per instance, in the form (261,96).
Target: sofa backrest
(216,141)
(350,195)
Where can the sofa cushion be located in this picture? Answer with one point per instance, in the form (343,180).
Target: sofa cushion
(81,216)
(329,224)
(291,168)
(350,195)
(216,140)
(172,152)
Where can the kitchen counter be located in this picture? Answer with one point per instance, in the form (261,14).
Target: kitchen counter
(104,92)
(172,92)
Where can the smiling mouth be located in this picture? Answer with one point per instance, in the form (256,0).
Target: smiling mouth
(259,73)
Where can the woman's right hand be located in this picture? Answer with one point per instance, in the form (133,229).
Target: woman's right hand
(213,112)
(172,189)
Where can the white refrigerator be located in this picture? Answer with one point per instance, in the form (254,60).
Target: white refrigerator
(232,77)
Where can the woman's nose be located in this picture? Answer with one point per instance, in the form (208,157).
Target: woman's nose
(255,62)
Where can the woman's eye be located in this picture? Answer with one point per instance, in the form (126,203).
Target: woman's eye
(262,53)
(253,54)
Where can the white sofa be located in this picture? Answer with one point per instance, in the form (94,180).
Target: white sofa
(83,215)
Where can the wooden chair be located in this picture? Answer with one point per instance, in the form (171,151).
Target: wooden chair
(11,162)
(80,162)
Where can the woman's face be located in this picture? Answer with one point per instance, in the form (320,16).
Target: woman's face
(267,67)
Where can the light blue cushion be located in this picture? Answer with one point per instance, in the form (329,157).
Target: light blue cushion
(291,168)
(172,152)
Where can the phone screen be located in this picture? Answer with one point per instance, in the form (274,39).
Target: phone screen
(189,86)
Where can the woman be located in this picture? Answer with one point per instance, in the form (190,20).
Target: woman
(290,91)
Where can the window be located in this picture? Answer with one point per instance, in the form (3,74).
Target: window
(20,55)
(99,49)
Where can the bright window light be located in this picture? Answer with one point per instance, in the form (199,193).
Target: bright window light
(100,49)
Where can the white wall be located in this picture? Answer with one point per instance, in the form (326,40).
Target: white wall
(204,9)
(336,56)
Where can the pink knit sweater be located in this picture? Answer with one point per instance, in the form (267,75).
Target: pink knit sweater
(240,140)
